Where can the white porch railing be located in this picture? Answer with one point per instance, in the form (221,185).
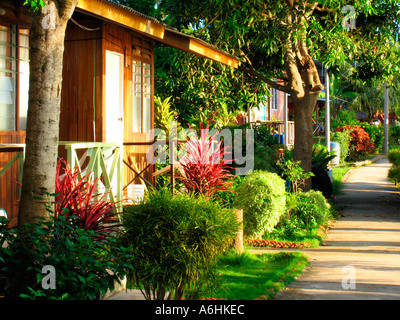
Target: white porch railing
(278,127)
(104,160)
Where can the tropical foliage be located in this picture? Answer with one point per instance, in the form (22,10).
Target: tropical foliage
(175,241)
(78,200)
(360,144)
(204,171)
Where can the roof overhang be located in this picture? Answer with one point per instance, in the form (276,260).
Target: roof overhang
(131,19)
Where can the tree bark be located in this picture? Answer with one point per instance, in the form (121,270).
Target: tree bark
(303,133)
(42,134)
(305,86)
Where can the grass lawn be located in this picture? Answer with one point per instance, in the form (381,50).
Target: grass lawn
(338,174)
(250,276)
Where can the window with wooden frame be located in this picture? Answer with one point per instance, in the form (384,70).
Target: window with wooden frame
(142,82)
(14,77)
(275,99)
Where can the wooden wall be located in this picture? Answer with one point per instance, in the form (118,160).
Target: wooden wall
(81,100)
(9,190)
(83,94)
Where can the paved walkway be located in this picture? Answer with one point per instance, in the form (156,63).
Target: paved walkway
(361,258)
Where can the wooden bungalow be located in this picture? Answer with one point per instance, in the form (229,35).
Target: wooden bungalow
(108,87)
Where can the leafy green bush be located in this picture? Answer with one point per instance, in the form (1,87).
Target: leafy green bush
(176,240)
(394,132)
(375,133)
(265,157)
(261,195)
(393,157)
(266,149)
(293,172)
(85,268)
(321,156)
(343,138)
(305,210)
(343,118)
(394,172)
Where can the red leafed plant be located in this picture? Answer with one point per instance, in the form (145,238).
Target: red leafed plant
(78,197)
(203,165)
(361,143)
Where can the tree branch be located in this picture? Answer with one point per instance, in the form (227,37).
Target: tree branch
(211,21)
(273,84)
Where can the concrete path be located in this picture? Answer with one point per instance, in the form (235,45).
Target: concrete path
(361,256)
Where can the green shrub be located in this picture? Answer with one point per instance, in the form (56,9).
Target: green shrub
(375,133)
(394,172)
(266,157)
(305,211)
(176,240)
(266,149)
(292,171)
(393,157)
(321,156)
(84,267)
(261,195)
(343,138)
(394,132)
(343,118)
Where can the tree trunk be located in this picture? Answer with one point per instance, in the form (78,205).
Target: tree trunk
(46,63)
(303,112)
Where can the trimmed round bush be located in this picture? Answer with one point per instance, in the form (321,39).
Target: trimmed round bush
(309,208)
(262,197)
(176,240)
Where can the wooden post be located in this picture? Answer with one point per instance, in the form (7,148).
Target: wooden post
(327,111)
(386,121)
(238,240)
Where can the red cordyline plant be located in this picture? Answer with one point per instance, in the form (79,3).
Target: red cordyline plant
(360,141)
(203,165)
(78,197)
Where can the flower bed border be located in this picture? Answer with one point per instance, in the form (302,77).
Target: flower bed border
(276,244)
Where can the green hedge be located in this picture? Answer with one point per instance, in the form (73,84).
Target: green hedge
(262,197)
